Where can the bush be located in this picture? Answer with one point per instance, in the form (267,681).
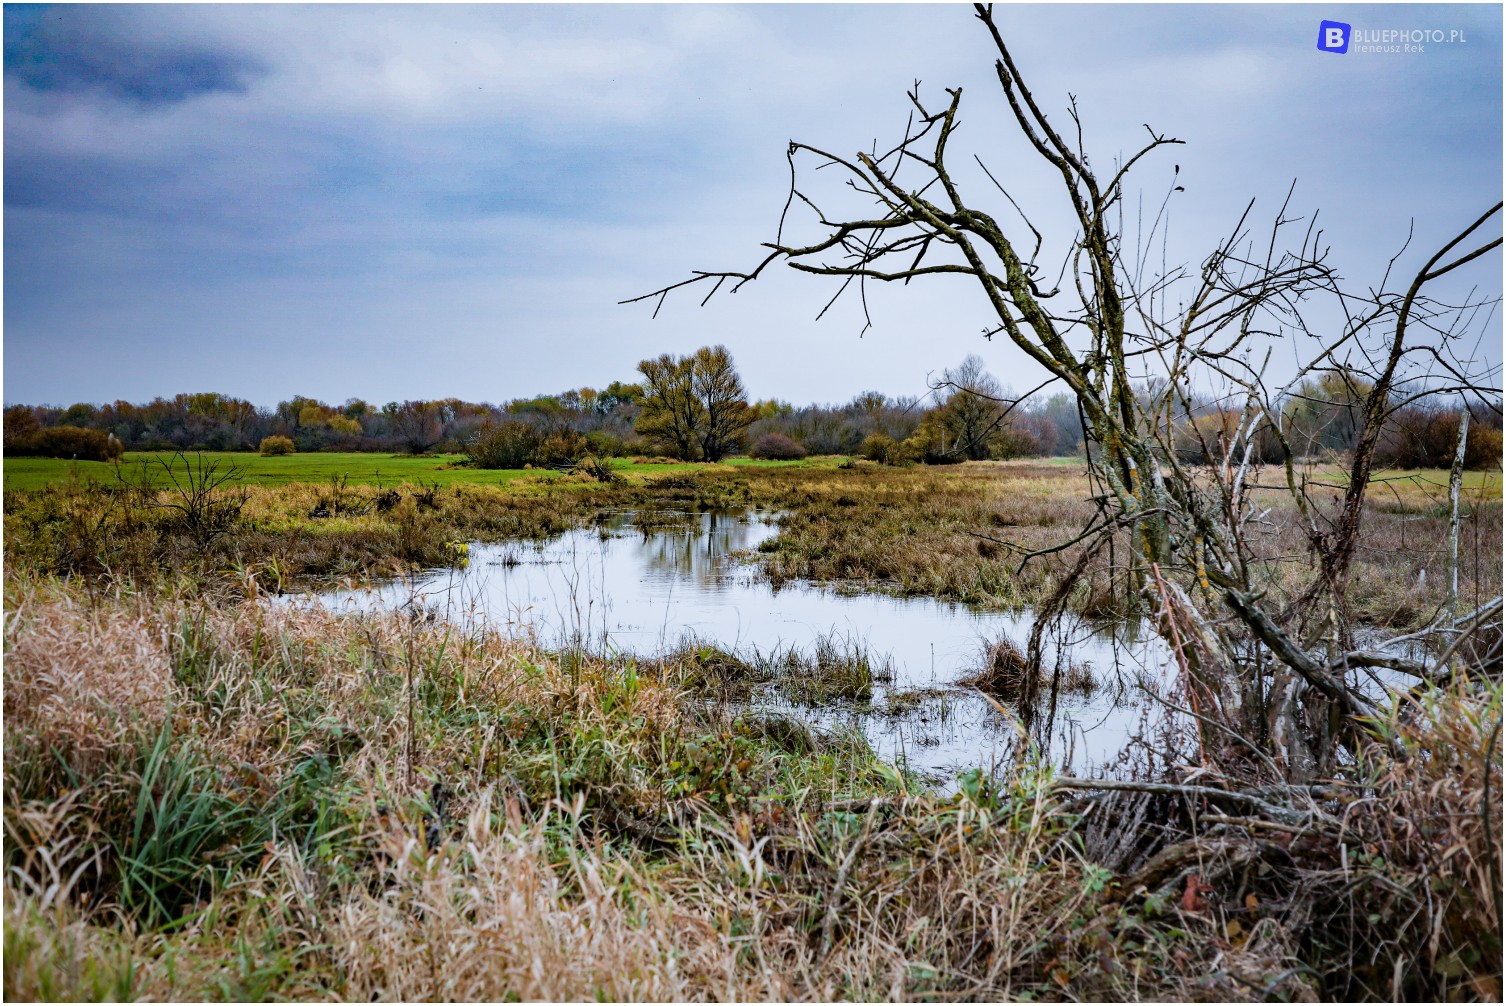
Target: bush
(878,447)
(514,444)
(886,450)
(604,445)
(66,442)
(509,444)
(560,449)
(776,447)
(276,446)
(1482,448)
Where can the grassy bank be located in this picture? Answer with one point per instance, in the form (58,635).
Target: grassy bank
(216,800)
(954,533)
(962,534)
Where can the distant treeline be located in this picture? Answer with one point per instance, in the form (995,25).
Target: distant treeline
(694,408)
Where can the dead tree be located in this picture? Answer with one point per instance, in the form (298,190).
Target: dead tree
(1108,323)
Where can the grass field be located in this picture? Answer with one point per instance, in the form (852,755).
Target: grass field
(357,469)
(446,469)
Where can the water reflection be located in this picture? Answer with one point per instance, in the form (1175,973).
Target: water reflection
(643,581)
(691,546)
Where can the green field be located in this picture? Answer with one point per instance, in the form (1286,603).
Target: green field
(358,469)
(392,469)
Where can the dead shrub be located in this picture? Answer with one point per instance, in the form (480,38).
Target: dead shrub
(776,447)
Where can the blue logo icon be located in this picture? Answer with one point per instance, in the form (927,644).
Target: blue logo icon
(1333,36)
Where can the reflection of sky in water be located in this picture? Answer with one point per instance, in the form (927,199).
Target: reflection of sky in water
(622,587)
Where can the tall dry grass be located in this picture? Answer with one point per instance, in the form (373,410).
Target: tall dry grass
(209,795)
(87,678)
(309,806)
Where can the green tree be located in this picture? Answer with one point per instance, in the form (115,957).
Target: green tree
(971,419)
(671,413)
(694,407)
(725,416)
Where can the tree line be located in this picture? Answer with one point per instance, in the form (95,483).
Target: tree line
(696,408)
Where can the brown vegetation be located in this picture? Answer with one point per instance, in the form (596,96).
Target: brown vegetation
(70,442)
(257,801)
(776,447)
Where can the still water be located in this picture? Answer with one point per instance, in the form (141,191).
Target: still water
(644,582)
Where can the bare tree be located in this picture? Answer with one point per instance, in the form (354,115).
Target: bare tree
(418,425)
(1198,558)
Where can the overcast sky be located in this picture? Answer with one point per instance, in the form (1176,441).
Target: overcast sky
(423,201)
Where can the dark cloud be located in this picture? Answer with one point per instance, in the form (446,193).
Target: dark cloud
(82,48)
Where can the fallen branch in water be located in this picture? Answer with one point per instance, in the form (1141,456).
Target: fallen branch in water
(1286,815)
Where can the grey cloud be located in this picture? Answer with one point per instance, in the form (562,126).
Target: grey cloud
(450,200)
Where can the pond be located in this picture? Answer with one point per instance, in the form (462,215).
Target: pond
(646,582)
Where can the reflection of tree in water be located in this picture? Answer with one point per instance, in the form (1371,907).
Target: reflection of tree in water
(698,551)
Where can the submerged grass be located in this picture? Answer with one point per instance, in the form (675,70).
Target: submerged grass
(1005,672)
(245,800)
(834,668)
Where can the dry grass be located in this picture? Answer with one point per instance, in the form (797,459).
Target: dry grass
(954,533)
(934,533)
(562,826)
(79,681)
(1434,825)
(306,530)
(1007,673)
(958,534)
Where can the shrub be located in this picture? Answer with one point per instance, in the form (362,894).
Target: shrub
(878,447)
(514,444)
(1482,448)
(604,445)
(509,444)
(560,449)
(776,447)
(276,446)
(66,442)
